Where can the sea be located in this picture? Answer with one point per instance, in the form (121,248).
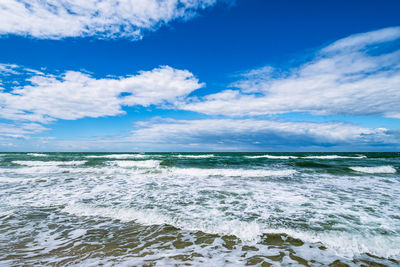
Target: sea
(199,209)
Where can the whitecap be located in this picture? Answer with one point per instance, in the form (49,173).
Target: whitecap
(231,172)
(377,169)
(119,156)
(37,154)
(48,163)
(195,156)
(334,157)
(271,157)
(136,164)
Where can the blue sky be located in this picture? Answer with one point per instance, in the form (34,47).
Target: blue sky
(200,75)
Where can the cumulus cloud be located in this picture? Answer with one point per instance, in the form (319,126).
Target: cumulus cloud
(56,19)
(357,75)
(75,95)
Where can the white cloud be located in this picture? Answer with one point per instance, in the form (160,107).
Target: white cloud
(75,95)
(7,69)
(19,130)
(358,75)
(56,19)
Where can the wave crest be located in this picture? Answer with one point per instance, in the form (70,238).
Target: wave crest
(378,169)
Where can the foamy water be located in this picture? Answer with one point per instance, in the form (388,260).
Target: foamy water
(377,169)
(118,156)
(228,209)
(204,156)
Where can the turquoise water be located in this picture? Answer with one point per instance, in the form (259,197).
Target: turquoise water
(208,209)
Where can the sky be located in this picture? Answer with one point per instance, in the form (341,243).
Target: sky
(199,75)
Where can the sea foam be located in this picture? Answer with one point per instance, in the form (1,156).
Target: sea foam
(119,156)
(48,163)
(195,156)
(37,154)
(231,172)
(378,169)
(271,157)
(334,157)
(135,164)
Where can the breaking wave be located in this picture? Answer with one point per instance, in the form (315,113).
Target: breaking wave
(118,156)
(48,163)
(378,169)
(195,156)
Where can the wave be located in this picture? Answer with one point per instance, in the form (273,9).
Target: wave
(244,230)
(335,157)
(306,157)
(231,172)
(271,157)
(136,164)
(378,169)
(118,156)
(195,156)
(37,154)
(343,243)
(48,163)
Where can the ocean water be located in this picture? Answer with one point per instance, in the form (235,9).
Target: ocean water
(211,209)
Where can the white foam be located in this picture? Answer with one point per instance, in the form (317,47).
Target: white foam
(119,156)
(77,233)
(136,164)
(271,157)
(195,156)
(12,180)
(345,244)
(48,163)
(244,230)
(37,154)
(231,172)
(334,157)
(378,169)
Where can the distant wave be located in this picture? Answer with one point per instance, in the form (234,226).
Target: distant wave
(195,156)
(37,154)
(271,157)
(231,172)
(306,157)
(48,163)
(136,164)
(378,169)
(334,157)
(118,156)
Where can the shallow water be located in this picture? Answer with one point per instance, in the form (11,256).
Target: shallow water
(191,208)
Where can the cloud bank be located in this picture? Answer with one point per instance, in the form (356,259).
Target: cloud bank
(357,75)
(161,134)
(57,19)
(237,134)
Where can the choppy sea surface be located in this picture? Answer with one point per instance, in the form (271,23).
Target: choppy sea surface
(211,209)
